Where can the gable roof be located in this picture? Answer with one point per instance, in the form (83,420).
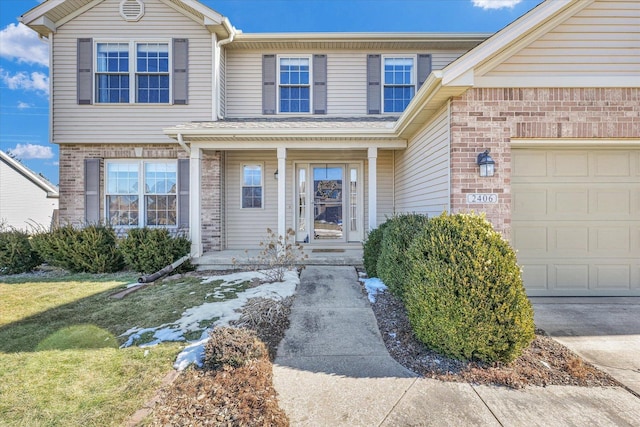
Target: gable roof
(40,181)
(48,16)
(458,77)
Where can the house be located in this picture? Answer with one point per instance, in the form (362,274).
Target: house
(27,200)
(167,115)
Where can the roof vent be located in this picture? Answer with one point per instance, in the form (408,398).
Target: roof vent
(131,10)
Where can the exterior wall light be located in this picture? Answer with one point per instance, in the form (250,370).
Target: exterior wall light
(486,164)
(275,175)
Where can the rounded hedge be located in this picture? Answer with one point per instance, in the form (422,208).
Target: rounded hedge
(371,249)
(392,266)
(465,296)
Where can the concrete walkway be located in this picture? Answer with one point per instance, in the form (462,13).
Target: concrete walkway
(333,369)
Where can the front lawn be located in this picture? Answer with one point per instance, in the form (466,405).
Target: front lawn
(60,338)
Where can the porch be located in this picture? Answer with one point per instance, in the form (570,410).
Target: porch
(224,260)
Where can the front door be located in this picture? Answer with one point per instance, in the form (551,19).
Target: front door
(328,206)
(328,203)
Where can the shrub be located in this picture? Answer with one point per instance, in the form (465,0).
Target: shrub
(16,253)
(278,254)
(147,250)
(231,347)
(91,249)
(392,266)
(371,249)
(465,296)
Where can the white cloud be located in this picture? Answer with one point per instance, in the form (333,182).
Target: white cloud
(18,42)
(24,105)
(495,4)
(32,151)
(36,81)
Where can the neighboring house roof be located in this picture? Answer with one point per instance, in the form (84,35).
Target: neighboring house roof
(40,181)
(48,16)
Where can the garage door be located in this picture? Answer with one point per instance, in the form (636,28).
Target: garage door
(576,220)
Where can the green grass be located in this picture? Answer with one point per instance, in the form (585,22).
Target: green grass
(59,360)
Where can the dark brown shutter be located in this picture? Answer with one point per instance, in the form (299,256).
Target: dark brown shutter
(424,68)
(183,193)
(374,77)
(319,84)
(92,191)
(180,71)
(85,71)
(269,84)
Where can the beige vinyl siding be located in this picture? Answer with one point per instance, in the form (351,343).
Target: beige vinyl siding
(23,204)
(245,228)
(346,79)
(422,170)
(73,123)
(602,39)
(223,82)
(385,185)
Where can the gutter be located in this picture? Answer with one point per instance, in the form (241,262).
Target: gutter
(183,145)
(232,34)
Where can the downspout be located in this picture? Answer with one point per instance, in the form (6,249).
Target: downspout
(183,145)
(232,35)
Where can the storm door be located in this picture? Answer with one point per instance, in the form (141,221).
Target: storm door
(328,206)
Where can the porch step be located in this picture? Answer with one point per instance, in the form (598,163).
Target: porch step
(224,260)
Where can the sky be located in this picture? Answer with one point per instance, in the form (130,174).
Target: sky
(24,70)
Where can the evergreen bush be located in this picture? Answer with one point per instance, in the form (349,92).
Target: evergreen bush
(465,296)
(16,254)
(371,249)
(92,249)
(392,266)
(147,250)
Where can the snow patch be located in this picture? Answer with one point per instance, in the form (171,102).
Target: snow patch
(374,286)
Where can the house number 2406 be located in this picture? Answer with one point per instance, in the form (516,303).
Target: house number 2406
(474,199)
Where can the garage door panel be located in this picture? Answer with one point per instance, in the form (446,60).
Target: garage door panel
(576,220)
(530,203)
(529,165)
(612,164)
(611,201)
(610,241)
(612,276)
(570,164)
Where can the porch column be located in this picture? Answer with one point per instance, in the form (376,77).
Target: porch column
(195,223)
(373,187)
(282,197)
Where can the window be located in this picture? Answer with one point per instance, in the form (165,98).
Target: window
(145,64)
(112,72)
(251,186)
(155,183)
(294,86)
(399,83)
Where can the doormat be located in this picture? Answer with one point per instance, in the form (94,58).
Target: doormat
(327,250)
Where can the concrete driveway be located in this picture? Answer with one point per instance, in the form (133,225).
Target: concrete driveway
(604,331)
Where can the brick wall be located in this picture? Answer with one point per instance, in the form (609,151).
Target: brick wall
(489,118)
(71,183)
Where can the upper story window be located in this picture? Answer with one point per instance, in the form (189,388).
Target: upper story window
(132,72)
(399,85)
(294,85)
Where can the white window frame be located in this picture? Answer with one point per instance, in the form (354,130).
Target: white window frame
(142,213)
(242,186)
(133,72)
(414,78)
(309,57)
